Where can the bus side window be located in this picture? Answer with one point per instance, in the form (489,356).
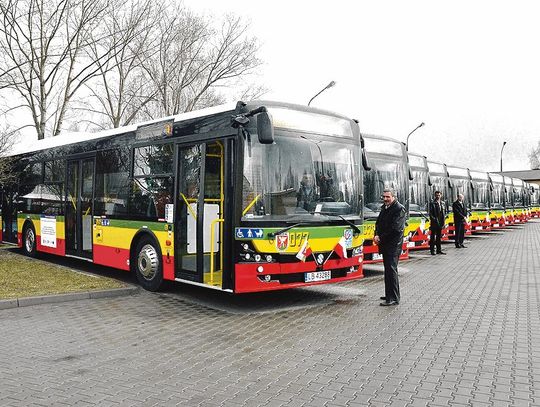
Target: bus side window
(112,182)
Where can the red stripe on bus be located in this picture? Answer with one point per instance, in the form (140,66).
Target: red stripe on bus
(60,248)
(111,256)
(118,258)
(247,279)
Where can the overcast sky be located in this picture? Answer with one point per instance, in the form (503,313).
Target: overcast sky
(469,69)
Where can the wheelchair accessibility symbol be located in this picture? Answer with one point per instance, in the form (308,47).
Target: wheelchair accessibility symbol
(249,233)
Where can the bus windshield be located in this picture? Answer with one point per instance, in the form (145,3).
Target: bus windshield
(300,176)
(497,196)
(480,195)
(419,191)
(518,196)
(384,173)
(461,186)
(508,191)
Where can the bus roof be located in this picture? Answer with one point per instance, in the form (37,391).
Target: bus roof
(67,138)
(417,160)
(436,167)
(517,182)
(383,145)
(496,177)
(457,171)
(479,175)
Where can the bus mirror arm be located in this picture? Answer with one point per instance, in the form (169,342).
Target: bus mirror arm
(265,127)
(254,112)
(365,162)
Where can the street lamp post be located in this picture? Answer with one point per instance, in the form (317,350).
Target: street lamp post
(332,83)
(417,127)
(504,143)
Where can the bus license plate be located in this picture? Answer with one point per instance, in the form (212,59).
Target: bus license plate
(317,276)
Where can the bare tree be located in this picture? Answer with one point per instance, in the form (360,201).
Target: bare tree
(534,157)
(7,137)
(43,44)
(118,61)
(121,90)
(195,60)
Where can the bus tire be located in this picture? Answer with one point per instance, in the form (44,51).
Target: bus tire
(29,241)
(148,264)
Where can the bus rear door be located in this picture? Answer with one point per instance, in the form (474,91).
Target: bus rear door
(79,208)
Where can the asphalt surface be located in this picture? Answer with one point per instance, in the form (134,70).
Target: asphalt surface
(467,333)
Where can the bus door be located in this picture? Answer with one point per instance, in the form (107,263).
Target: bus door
(79,208)
(200,205)
(9,215)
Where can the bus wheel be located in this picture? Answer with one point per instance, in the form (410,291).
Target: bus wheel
(148,264)
(29,241)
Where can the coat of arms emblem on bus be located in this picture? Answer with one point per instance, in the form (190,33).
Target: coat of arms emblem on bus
(282,241)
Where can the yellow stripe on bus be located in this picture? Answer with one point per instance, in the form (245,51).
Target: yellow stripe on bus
(316,245)
(122,237)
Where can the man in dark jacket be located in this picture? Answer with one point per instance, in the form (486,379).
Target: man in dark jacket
(437,217)
(460,217)
(389,236)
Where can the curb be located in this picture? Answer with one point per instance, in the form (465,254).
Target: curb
(56,298)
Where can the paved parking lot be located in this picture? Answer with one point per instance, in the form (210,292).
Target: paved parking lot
(467,332)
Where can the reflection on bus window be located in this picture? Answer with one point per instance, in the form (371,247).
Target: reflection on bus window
(384,174)
(149,197)
(153,160)
(300,176)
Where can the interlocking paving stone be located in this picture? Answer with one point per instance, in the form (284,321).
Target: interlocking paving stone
(466,333)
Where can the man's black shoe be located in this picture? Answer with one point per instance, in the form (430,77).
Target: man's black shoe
(458,247)
(463,246)
(441,253)
(433,253)
(383,298)
(389,303)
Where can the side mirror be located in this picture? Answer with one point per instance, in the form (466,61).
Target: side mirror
(265,128)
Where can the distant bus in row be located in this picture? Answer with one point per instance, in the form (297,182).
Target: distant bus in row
(491,200)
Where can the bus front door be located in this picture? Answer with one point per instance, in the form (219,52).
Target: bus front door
(79,211)
(201,195)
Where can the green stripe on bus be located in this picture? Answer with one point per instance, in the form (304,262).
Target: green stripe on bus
(137,224)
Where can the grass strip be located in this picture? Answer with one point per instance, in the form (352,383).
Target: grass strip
(25,277)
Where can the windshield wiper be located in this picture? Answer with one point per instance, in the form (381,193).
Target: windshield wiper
(279,232)
(348,222)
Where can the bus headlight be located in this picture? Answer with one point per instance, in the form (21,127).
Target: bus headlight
(260,269)
(257,257)
(269,258)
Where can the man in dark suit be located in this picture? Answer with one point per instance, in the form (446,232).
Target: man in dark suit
(389,236)
(437,217)
(460,217)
